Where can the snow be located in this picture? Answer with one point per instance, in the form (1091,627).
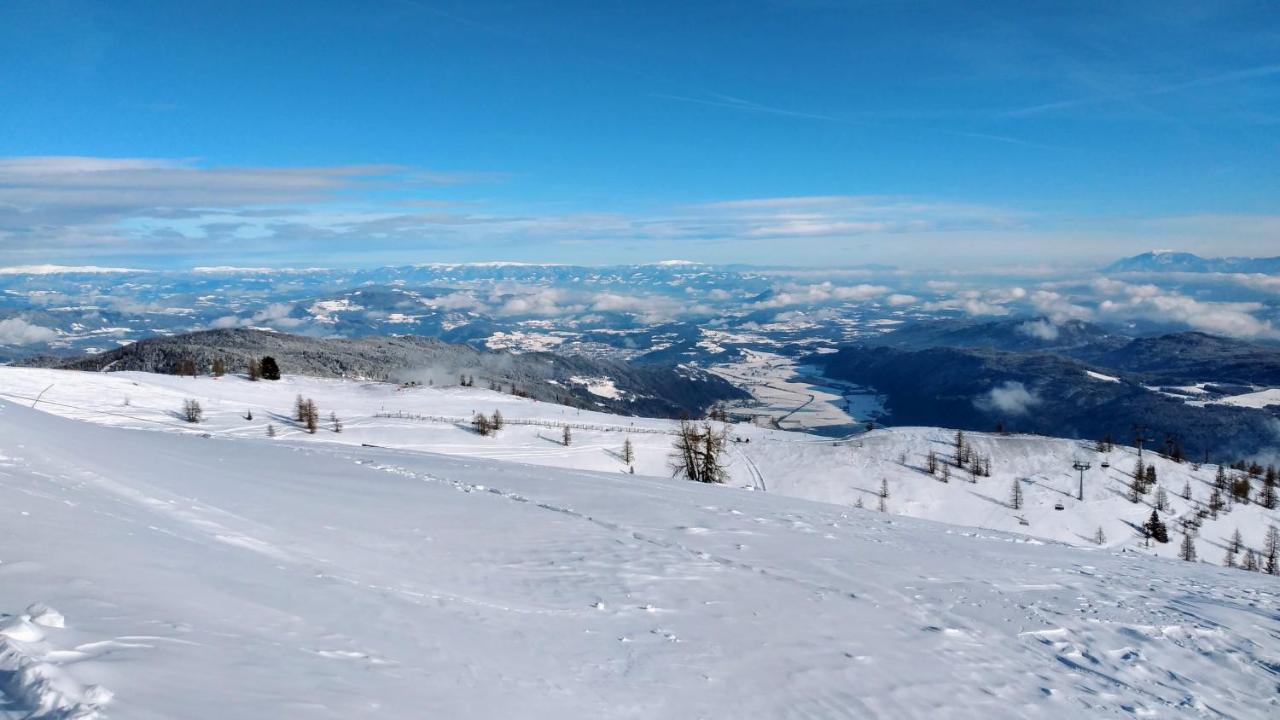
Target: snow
(836,471)
(1258,399)
(600,387)
(1200,395)
(796,397)
(251,578)
(520,341)
(323,310)
(1100,376)
(400,318)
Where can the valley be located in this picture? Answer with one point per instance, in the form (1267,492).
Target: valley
(794,397)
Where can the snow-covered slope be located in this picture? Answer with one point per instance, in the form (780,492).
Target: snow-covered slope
(839,472)
(167,575)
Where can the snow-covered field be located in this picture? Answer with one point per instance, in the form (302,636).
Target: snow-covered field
(220,573)
(843,472)
(1200,395)
(1257,399)
(167,575)
(795,397)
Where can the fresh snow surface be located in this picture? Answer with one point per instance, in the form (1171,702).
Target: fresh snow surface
(840,472)
(1100,376)
(167,575)
(1259,399)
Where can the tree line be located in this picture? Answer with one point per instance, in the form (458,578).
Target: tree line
(264,368)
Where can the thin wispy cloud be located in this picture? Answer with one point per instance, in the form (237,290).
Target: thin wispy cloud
(154,210)
(732,103)
(1235,76)
(728,102)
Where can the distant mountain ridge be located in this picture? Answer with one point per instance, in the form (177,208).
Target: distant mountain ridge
(1015,334)
(1044,393)
(651,390)
(1168,261)
(1182,358)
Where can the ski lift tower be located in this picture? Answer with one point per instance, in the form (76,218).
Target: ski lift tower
(1081,466)
(1140,437)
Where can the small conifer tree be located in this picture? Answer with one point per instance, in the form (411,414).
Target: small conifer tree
(1187,551)
(311,417)
(270,368)
(1271,550)
(1155,528)
(1250,562)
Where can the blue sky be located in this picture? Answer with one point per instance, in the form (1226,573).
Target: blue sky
(810,132)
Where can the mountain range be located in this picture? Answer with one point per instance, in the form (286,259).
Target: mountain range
(628,389)
(1168,261)
(1179,387)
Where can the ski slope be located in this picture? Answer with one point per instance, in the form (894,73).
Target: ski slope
(840,472)
(165,575)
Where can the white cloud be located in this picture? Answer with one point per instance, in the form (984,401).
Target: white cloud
(455,301)
(1011,397)
(1150,302)
(64,270)
(274,311)
(90,206)
(16,331)
(819,293)
(978,303)
(1256,281)
(1039,329)
(1058,308)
